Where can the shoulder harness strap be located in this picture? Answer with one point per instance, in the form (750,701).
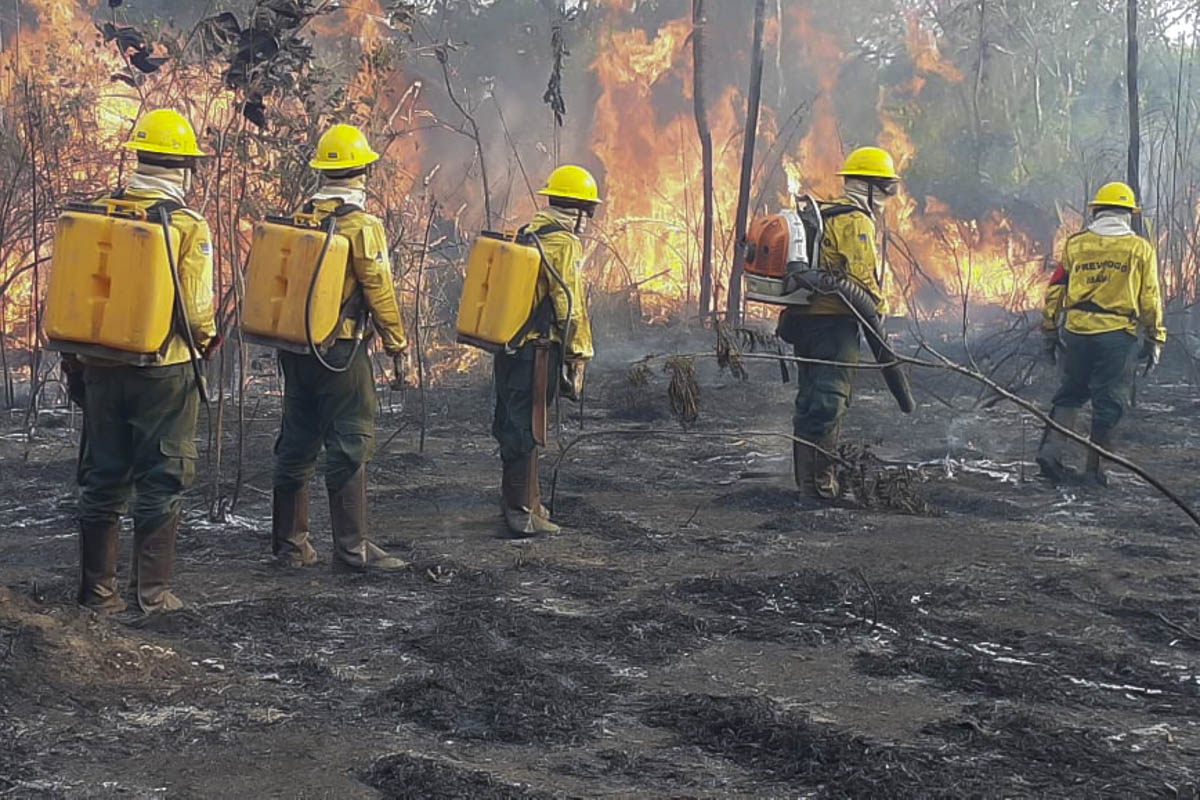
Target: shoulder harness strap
(341,210)
(170,206)
(524,232)
(838,209)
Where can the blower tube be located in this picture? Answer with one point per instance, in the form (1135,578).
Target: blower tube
(829,283)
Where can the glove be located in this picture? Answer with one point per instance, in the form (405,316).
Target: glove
(72,371)
(1151,354)
(210,349)
(570,380)
(1050,345)
(402,368)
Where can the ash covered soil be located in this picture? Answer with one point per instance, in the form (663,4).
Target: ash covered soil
(696,631)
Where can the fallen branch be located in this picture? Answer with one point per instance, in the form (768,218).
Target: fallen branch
(1045,418)
(947,364)
(1175,626)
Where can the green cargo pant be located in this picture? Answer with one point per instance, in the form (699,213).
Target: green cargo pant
(513,424)
(824,391)
(335,410)
(1098,367)
(139,440)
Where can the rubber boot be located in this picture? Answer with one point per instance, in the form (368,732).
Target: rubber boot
(524,514)
(289,528)
(153,562)
(802,468)
(825,480)
(1050,453)
(513,491)
(98,548)
(348,519)
(1094,471)
(541,514)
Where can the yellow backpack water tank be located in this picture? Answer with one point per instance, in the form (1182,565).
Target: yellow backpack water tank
(498,291)
(289,259)
(111,292)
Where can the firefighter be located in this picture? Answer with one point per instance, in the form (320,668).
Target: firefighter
(549,354)
(1106,287)
(829,329)
(336,408)
(140,421)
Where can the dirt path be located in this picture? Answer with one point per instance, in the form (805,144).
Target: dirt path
(698,631)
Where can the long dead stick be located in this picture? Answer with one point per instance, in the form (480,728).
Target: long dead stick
(1045,418)
(975,375)
(947,364)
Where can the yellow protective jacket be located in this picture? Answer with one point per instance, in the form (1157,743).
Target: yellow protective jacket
(564,251)
(1106,283)
(190,233)
(848,249)
(371,269)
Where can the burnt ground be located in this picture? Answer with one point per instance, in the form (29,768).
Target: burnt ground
(696,631)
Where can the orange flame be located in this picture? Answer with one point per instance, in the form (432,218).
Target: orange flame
(653,179)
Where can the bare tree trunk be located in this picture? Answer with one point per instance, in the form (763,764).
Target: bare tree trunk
(35,359)
(976,119)
(706,150)
(1133,171)
(733,308)
(9,389)
(216,430)
(443,59)
(417,339)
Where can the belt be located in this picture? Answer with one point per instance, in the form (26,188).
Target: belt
(1092,308)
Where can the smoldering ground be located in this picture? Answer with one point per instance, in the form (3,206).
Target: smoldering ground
(698,631)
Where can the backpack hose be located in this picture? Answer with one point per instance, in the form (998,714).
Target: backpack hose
(180,309)
(330,228)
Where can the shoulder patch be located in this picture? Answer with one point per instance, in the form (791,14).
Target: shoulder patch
(371,239)
(205,247)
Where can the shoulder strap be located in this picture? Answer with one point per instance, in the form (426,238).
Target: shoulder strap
(838,209)
(552,227)
(310,207)
(548,228)
(170,206)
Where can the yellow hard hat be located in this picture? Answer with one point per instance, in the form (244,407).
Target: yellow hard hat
(572,183)
(343,147)
(1115,194)
(870,162)
(166,132)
